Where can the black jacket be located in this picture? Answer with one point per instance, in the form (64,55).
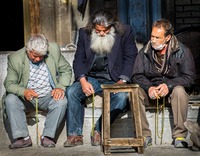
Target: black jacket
(179,71)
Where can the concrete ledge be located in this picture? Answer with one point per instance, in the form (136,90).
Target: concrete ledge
(122,127)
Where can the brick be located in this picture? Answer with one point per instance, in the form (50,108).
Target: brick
(192,20)
(181,26)
(182,2)
(191,8)
(195,25)
(179,8)
(195,1)
(195,14)
(183,14)
(179,21)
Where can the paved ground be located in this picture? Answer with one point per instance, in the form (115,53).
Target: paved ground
(88,150)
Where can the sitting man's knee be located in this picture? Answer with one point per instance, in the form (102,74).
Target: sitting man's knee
(62,103)
(122,95)
(10,99)
(178,90)
(70,91)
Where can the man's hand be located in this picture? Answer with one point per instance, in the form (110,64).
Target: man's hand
(160,91)
(58,94)
(153,92)
(163,90)
(87,88)
(29,94)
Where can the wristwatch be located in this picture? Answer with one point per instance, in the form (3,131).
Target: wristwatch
(124,81)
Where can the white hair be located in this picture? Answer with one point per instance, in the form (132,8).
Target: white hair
(37,43)
(102,44)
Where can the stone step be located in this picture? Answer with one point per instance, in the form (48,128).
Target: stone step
(122,127)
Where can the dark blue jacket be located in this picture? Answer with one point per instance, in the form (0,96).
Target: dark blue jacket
(120,60)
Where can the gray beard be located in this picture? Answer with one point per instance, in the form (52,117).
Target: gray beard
(102,44)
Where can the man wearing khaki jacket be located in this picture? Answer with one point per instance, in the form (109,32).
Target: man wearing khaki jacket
(37,71)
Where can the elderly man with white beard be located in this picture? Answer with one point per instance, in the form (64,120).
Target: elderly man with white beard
(105,54)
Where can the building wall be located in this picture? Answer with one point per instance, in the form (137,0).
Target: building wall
(187,13)
(60,20)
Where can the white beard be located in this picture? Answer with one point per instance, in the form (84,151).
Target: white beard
(102,44)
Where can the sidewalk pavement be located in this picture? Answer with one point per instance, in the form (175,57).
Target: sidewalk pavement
(88,150)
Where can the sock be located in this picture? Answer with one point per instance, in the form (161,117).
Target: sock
(26,138)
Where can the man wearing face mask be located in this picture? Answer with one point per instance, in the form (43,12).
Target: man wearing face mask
(165,68)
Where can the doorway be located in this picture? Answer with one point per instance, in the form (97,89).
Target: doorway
(12,30)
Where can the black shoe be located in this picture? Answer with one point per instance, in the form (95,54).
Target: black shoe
(21,143)
(147,141)
(96,139)
(180,142)
(47,142)
(73,141)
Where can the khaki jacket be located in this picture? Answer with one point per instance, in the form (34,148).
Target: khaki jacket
(18,70)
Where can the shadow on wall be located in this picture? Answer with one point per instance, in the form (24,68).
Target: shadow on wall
(190,37)
(140,40)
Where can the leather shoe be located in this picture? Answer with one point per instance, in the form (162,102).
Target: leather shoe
(21,143)
(73,141)
(96,139)
(47,142)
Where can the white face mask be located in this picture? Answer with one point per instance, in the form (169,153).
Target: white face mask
(159,47)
